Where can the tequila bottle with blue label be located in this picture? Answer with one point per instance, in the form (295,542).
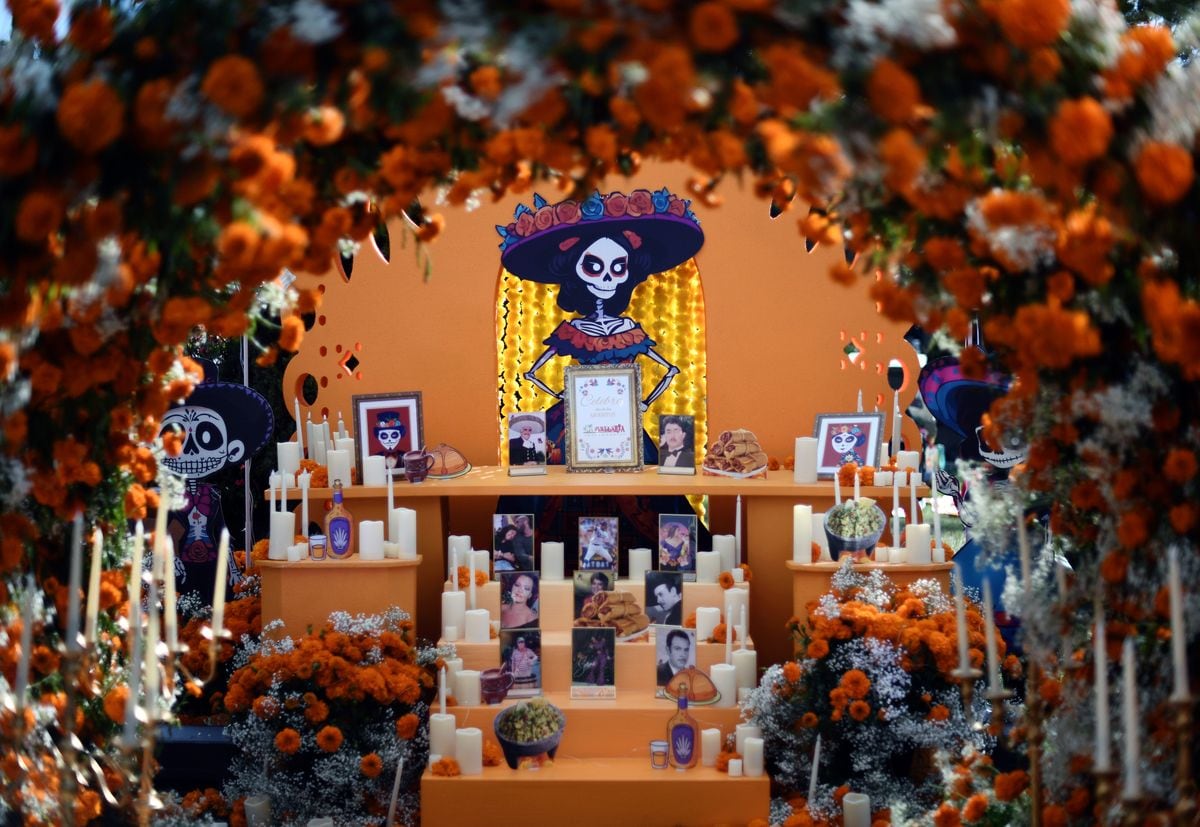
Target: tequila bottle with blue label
(683,735)
(339,526)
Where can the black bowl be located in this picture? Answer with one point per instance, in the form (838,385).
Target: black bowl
(514,751)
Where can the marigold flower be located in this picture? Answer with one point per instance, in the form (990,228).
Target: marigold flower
(791,671)
(115,701)
(856,683)
(444,767)
(371,765)
(860,710)
(723,759)
(1029,24)
(726,580)
(406,726)
(1180,465)
(1182,517)
(947,815)
(40,214)
(1080,130)
(818,648)
(493,756)
(330,738)
(90,115)
(712,27)
(287,740)
(1164,171)
(975,807)
(233,84)
(938,712)
(892,92)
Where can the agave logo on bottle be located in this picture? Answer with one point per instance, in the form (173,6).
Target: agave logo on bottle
(683,742)
(339,536)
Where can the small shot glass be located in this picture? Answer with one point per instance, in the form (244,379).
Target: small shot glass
(658,755)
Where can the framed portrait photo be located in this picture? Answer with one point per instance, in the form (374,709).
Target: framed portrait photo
(598,543)
(678,537)
(603,417)
(387,425)
(593,663)
(676,444)
(527,449)
(512,543)
(843,438)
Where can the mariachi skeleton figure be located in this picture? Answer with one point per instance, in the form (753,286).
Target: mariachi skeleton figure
(598,252)
(221,424)
(389,430)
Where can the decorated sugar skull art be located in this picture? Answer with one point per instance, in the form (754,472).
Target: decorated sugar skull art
(390,430)
(848,442)
(221,424)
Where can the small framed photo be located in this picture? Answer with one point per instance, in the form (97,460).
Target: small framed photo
(593,663)
(677,539)
(387,425)
(598,543)
(847,437)
(603,417)
(512,543)
(676,444)
(521,652)
(526,444)
(664,597)
(520,604)
(675,650)
(588,584)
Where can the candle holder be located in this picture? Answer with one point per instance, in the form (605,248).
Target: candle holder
(1133,811)
(966,679)
(1184,813)
(1106,786)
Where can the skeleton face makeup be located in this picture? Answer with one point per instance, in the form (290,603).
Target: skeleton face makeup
(389,438)
(206,446)
(603,267)
(1011,452)
(843,442)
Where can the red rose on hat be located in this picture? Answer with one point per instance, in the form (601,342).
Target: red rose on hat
(676,207)
(544,219)
(640,203)
(524,224)
(615,204)
(567,212)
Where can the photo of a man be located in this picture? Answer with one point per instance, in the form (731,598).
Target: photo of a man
(527,439)
(664,597)
(676,441)
(676,651)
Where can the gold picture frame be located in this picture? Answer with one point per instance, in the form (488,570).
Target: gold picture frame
(603,417)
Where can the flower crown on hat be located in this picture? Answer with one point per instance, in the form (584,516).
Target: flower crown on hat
(638,204)
(389,419)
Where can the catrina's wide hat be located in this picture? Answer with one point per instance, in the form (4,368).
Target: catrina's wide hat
(246,412)
(957,401)
(658,223)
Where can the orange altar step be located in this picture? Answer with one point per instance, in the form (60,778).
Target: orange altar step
(594,792)
(596,729)
(304,593)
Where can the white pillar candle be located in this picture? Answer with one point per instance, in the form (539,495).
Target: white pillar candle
(909,460)
(457,548)
(402,529)
(805,470)
(483,560)
(344,444)
(917,547)
(856,810)
(745,664)
(370,539)
(454,607)
(960,616)
(76,576)
(882,554)
(739,576)
(91,616)
(724,678)
(741,732)
(451,633)
(744,694)
(898,554)
(938,554)
(1100,667)
(1130,718)
(639,563)
(258,811)
(468,750)
(707,618)
(989,634)
(1181,690)
(322,821)
(441,734)
(900,478)
(478,626)
(883,479)
(339,467)
(837,490)
(816,763)
(724,544)
(467,687)
(304,481)
(287,455)
(735,768)
(299,426)
(552,561)
(374,471)
(752,757)
(453,667)
(293,553)
(708,566)
(802,533)
(391,551)
(471,589)
(710,746)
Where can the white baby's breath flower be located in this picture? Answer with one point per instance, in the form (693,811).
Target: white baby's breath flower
(314,22)
(871,28)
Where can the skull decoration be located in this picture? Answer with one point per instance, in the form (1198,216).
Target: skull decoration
(845,440)
(603,267)
(1012,450)
(389,430)
(206,444)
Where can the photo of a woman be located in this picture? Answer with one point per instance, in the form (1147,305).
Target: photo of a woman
(519,600)
(512,544)
(676,544)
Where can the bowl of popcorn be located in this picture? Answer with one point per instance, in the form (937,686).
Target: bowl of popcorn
(854,527)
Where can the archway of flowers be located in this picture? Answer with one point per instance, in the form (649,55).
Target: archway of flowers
(1028,162)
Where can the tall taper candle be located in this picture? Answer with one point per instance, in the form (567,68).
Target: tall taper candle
(309,434)
(896,511)
(219,584)
(391,501)
(837,490)
(76,575)
(1181,690)
(341,427)
(914,515)
(299,426)
(132,703)
(304,481)
(857,489)
(471,579)
(1023,551)
(170,615)
(737,533)
(896,424)
(150,665)
(802,533)
(812,776)
(960,617)
(1130,720)
(22,678)
(391,816)
(989,631)
(326,437)
(442,690)
(1100,667)
(93,593)
(283,487)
